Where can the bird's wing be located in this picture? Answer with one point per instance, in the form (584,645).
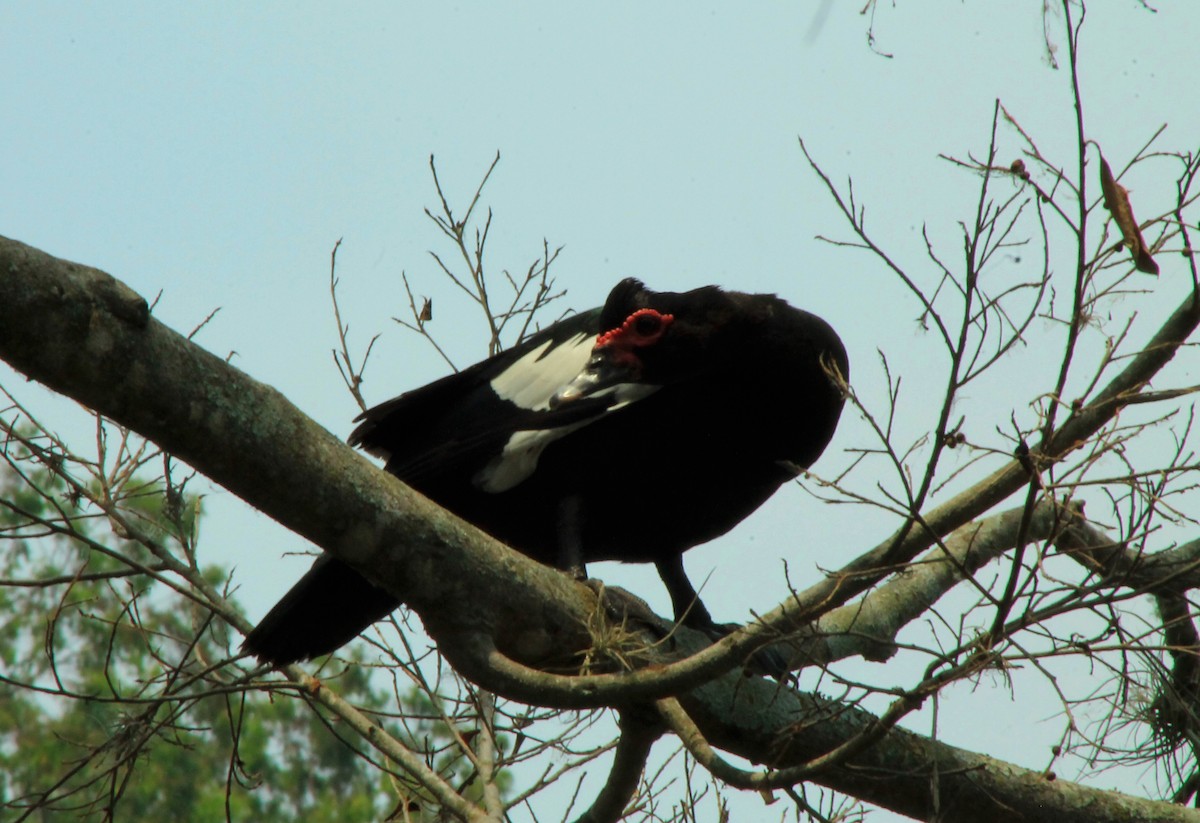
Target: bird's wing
(493,419)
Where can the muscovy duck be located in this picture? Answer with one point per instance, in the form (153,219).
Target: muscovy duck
(629,432)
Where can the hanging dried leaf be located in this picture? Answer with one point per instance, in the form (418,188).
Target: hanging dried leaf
(1116,200)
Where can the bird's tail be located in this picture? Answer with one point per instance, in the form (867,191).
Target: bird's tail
(326,609)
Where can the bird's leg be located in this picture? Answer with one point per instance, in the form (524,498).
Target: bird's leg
(570,542)
(690,611)
(684,600)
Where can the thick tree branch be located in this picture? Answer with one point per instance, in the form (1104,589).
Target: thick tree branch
(868,627)
(86,335)
(1166,571)
(638,733)
(902,768)
(920,533)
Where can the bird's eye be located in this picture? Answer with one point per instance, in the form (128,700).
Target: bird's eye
(648,324)
(642,328)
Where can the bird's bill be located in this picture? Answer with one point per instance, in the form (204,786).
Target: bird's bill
(604,371)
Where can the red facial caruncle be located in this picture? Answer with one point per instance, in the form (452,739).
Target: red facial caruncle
(644,327)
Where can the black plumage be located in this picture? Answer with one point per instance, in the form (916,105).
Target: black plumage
(631,432)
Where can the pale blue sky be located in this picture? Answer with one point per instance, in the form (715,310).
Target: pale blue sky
(216,152)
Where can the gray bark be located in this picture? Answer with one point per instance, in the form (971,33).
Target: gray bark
(86,335)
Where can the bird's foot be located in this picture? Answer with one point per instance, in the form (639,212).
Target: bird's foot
(622,606)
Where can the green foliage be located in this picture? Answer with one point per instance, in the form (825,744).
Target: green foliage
(119,695)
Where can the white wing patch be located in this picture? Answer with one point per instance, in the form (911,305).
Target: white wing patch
(530,382)
(520,455)
(519,458)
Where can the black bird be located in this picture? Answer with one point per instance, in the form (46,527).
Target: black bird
(630,432)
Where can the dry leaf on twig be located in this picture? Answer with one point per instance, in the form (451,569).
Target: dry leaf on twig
(1116,200)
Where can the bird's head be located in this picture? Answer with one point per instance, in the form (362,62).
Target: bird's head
(652,338)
